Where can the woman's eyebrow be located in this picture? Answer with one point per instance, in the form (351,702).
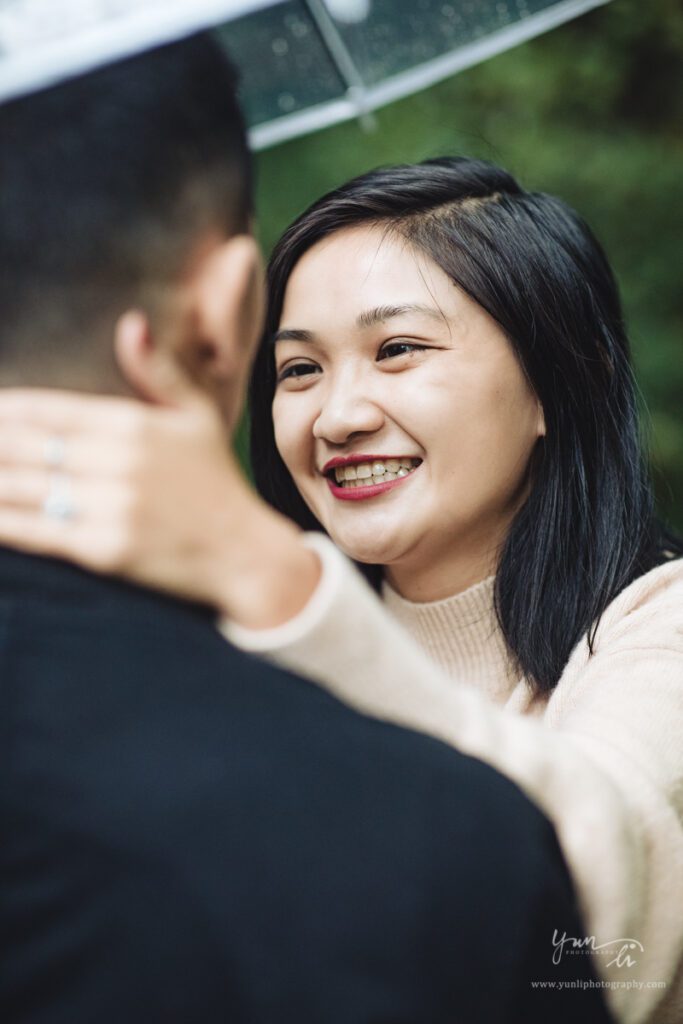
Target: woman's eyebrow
(368,318)
(379,315)
(292,334)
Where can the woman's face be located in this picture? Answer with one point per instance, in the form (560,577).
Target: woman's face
(390,375)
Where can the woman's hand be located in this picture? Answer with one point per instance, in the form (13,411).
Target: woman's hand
(150,493)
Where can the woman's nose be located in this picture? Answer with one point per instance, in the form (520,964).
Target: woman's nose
(347,410)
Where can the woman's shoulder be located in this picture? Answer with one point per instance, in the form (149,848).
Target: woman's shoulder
(649,607)
(638,639)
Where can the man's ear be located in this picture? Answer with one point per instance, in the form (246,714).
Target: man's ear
(148,367)
(227,296)
(228,302)
(216,323)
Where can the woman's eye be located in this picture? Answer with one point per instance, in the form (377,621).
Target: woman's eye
(295,371)
(399,348)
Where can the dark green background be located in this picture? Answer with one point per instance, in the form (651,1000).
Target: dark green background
(592,112)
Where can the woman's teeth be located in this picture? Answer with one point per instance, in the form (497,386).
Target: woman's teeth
(369,474)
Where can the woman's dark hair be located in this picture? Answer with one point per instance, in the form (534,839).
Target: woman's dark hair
(588,528)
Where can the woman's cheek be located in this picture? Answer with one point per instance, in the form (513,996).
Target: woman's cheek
(292,439)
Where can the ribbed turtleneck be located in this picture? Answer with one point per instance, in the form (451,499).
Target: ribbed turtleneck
(462,635)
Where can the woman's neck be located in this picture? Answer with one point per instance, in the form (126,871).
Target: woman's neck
(440,578)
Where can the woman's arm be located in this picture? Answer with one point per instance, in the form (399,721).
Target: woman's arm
(605,762)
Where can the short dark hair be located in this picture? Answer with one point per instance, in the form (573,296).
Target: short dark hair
(105,182)
(587,529)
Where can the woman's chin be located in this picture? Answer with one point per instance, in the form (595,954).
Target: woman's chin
(373,535)
(368,550)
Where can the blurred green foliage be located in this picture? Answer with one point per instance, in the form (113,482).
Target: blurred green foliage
(591,112)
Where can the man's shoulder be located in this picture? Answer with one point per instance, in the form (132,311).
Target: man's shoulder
(60,621)
(89,649)
(32,581)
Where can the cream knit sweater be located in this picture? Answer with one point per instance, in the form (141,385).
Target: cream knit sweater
(602,756)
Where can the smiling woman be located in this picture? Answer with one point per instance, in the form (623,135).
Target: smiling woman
(439,320)
(520,373)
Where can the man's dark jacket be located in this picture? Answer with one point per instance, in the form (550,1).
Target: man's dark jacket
(190,835)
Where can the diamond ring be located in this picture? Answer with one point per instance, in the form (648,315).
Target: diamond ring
(54,452)
(59,503)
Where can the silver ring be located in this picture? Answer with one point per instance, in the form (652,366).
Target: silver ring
(59,503)
(55,451)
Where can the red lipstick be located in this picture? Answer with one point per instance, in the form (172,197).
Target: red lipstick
(355,460)
(369,490)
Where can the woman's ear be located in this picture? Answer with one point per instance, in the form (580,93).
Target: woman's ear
(541,421)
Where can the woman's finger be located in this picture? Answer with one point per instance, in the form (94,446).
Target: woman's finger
(29,488)
(85,522)
(83,453)
(60,496)
(35,533)
(66,411)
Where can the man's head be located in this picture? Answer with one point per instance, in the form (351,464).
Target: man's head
(120,191)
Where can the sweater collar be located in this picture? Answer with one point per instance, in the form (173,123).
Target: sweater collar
(463,609)
(462,635)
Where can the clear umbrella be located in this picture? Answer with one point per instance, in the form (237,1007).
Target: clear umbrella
(304,68)
(304,64)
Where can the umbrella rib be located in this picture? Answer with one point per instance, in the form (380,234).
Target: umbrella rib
(342,60)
